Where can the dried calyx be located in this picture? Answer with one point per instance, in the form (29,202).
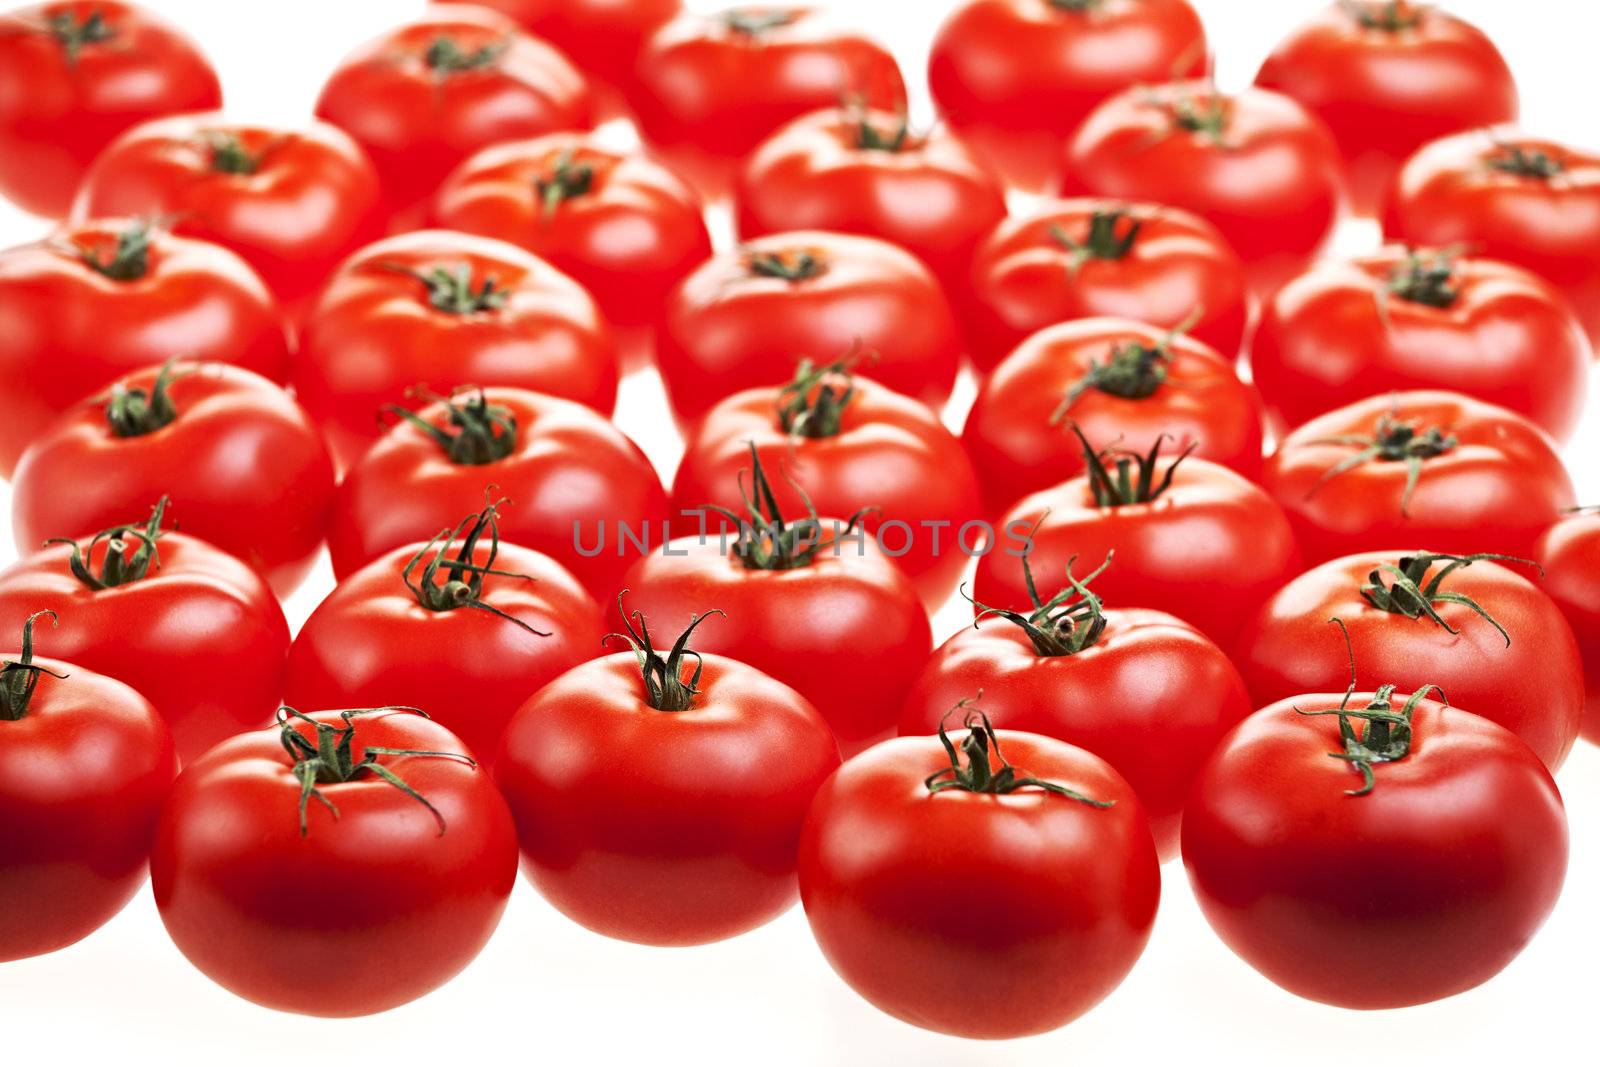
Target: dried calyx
(1066,624)
(477,432)
(450,581)
(20,677)
(766,541)
(813,403)
(1413,593)
(666,689)
(1118,477)
(1394,440)
(1102,240)
(978,774)
(131,552)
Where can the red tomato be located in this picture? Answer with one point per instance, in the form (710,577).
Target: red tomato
(1570,553)
(1419,468)
(189,626)
(1506,196)
(293,203)
(1014,78)
(744,318)
(100,299)
(660,802)
(857,170)
(73,76)
(1192,538)
(1429,850)
(846,445)
(1388,76)
(1075,259)
(713,87)
(579,490)
(1475,629)
(85,763)
(437,310)
(1420,319)
(386,885)
(468,631)
(1117,380)
(244,466)
(919,871)
(426,95)
(1256,165)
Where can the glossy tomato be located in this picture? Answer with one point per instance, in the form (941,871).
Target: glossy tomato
(1570,554)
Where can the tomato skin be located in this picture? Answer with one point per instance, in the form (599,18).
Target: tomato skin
(242,463)
(57,113)
(267,913)
(417,121)
(374,335)
(1385,93)
(1495,492)
(1014,78)
(1017,449)
(75,330)
(82,777)
(911,894)
(664,827)
(727,328)
(1570,554)
(1435,880)
(1334,336)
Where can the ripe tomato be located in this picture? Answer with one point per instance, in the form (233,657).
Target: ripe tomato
(1418,468)
(1075,259)
(1388,76)
(437,310)
(1570,554)
(405,828)
(73,76)
(1477,630)
(293,203)
(916,863)
(1510,197)
(746,316)
(713,87)
(1420,319)
(846,444)
(1193,539)
(463,624)
(190,627)
(859,170)
(579,490)
(1256,165)
(244,466)
(1117,380)
(1014,78)
(1429,850)
(100,299)
(661,803)
(426,95)
(85,763)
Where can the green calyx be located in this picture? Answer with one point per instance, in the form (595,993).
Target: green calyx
(73,34)
(447,581)
(135,412)
(767,542)
(130,256)
(1130,477)
(979,774)
(1412,593)
(450,289)
(131,552)
(753,22)
(665,687)
(812,405)
(483,433)
(870,138)
(1205,114)
(568,179)
(444,57)
(1133,371)
(229,155)
(1426,279)
(1102,239)
(1066,624)
(1525,162)
(1077,7)
(791,264)
(20,677)
(1391,16)
(1393,441)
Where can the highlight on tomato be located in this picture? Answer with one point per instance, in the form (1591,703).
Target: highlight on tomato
(1569,553)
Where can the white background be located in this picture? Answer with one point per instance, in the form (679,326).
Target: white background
(545,991)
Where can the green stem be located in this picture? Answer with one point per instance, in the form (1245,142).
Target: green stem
(1411,593)
(72,35)
(20,677)
(978,774)
(134,412)
(756,21)
(1392,16)
(1525,162)
(130,256)
(229,155)
(792,265)
(485,433)
(812,405)
(665,687)
(1066,624)
(1393,441)
(1426,279)
(131,552)
(450,289)
(568,179)
(766,542)
(462,584)
(444,57)
(1137,479)
(1101,240)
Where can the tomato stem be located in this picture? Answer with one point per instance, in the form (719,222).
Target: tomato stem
(754,22)
(1205,114)
(450,289)
(120,565)
(486,433)
(1525,162)
(1123,488)
(978,774)
(568,179)
(1066,624)
(664,685)
(1426,279)
(1408,595)
(1133,371)
(72,35)
(1393,441)
(20,677)
(766,542)
(790,264)
(229,155)
(462,586)
(130,256)
(1078,7)
(134,412)
(1101,241)
(1391,16)
(444,57)
(870,138)
(811,405)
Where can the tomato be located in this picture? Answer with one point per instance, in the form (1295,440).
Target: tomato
(1510,197)
(73,76)
(387,883)
(1192,538)
(1117,380)
(857,170)
(579,490)
(920,871)
(437,310)
(1427,851)
(1418,468)
(846,444)
(190,627)
(100,299)
(1257,165)
(1014,78)
(1076,259)
(711,87)
(1570,554)
(426,95)
(85,763)
(1420,319)
(746,316)
(468,631)
(1388,76)
(660,802)
(292,203)
(243,465)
